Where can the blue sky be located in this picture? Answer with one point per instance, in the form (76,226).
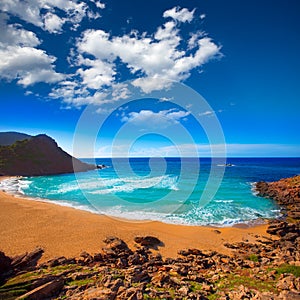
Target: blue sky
(59,57)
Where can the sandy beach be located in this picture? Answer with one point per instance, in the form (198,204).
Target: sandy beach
(65,231)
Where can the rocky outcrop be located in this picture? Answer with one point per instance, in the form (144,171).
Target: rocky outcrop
(44,291)
(27,260)
(267,269)
(38,155)
(286,192)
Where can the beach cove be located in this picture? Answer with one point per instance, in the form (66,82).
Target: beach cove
(76,254)
(65,231)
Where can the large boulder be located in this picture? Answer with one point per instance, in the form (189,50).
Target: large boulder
(115,247)
(148,241)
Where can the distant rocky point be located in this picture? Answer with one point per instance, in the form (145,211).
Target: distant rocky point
(25,155)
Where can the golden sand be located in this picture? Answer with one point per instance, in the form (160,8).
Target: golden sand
(65,231)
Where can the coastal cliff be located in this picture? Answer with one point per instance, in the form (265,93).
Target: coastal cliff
(286,192)
(36,156)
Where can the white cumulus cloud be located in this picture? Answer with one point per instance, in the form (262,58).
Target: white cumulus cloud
(20,60)
(153,59)
(179,14)
(14,34)
(156,58)
(43,13)
(28,65)
(20,56)
(99,4)
(53,23)
(160,119)
(98,74)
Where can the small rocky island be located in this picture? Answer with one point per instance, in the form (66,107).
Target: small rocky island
(24,155)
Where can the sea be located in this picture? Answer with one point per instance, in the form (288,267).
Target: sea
(187,191)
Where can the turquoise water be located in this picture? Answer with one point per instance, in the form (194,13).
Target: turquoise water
(162,190)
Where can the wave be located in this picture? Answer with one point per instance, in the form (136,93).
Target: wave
(253,188)
(223,201)
(194,217)
(15,185)
(94,185)
(116,185)
(223,214)
(226,210)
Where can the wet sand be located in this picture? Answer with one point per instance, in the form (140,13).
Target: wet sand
(64,231)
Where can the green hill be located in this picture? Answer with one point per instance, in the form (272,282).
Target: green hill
(9,138)
(37,155)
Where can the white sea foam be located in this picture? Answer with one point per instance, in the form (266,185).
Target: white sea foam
(96,185)
(223,201)
(224,211)
(23,184)
(196,216)
(253,188)
(128,184)
(14,185)
(225,214)
(73,205)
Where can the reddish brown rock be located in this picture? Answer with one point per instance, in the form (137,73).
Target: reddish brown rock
(148,241)
(195,274)
(27,260)
(44,291)
(115,246)
(286,192)
(5,263)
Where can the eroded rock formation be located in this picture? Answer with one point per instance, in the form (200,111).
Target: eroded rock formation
(286,192)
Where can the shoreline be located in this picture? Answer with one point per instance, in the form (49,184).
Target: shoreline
(67,231)
(71,242)
(64,203)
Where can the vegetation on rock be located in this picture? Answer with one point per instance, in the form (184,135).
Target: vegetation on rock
(38,155)
(267,269)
